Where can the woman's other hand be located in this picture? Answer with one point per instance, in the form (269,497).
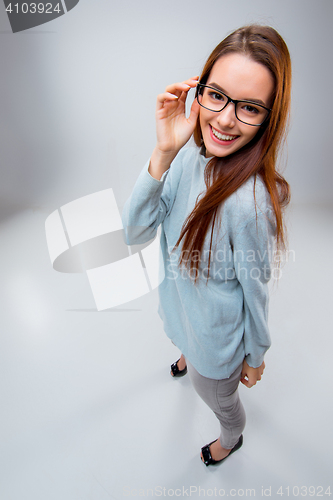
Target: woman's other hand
(252,374)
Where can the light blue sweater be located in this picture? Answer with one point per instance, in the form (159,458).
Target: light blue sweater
(215,325)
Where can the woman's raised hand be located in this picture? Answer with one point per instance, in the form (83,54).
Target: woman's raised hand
(172,127)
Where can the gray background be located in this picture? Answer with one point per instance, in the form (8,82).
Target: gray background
(78,94)
(88,407)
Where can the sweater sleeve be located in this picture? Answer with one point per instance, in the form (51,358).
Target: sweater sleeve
(252,249)
(150,202)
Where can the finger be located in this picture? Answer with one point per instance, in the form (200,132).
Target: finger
(183,86)
(253,381)
(246,382)
(165,97)
(196,78)
(192,81)
(194,113)
(183,96)
(180,87)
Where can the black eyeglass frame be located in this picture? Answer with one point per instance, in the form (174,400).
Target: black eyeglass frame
(202,85)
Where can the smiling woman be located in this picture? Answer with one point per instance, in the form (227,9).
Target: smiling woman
(227,124)
(223,196)
(257,68)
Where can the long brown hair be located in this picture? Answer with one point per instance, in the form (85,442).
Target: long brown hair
(264,45)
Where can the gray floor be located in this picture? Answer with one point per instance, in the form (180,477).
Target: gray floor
(89,410)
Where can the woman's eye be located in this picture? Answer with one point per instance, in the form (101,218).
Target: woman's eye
(216,96)
(250,109)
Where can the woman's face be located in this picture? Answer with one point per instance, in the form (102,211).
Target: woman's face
(241,78)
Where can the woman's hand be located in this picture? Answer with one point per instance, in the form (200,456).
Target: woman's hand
(252,374)
(173,129)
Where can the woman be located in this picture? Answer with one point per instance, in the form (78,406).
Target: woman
(223,201)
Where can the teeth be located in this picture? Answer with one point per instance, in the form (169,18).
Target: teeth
(222,137)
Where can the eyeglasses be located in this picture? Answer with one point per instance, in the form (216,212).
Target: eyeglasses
(247,112)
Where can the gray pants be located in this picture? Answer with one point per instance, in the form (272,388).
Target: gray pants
(222,397)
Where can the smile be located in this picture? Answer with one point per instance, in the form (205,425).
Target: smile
(223,137)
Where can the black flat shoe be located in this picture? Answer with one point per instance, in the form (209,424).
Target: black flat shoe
(207,457)
(176,372)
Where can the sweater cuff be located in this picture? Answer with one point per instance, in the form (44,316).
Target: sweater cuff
(151,187)
(163,176)
(254,361)
(146,188)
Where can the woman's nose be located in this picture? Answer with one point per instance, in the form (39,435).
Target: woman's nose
(227,117)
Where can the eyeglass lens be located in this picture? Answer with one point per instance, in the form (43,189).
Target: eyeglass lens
(252,114)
